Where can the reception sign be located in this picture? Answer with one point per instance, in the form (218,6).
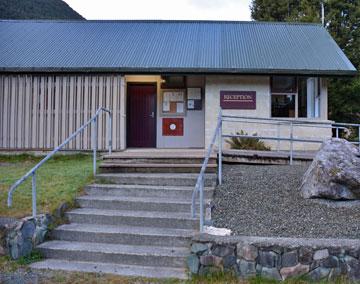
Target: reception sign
(238,99)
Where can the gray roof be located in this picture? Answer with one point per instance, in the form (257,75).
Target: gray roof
(170,47)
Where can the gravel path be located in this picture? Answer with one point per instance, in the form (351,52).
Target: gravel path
(265,201)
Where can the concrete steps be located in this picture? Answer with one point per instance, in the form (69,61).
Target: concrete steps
(115,253)
(163,204)
(181,192)
(159,219)
(154,168)
(131,235)
(111,268)
(180,179)
(135,220)
(165,161)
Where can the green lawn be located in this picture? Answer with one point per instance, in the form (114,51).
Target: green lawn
(59,179)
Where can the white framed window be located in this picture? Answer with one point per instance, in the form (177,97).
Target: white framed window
(295,96)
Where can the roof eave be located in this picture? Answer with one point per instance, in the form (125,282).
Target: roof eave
(161,70)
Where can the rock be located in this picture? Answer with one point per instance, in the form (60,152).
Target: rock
(305,255)
(2,240)
(352,267)
(334,273)
(271,273)
(319,273)
(334,172)
(289,259)
(229,261)
(19,238)
(193,263)
(247,268)
(321,254)
(354,252)
(209,270)
(213,260)
(60,211)
(199,248)
(258,269)
(330,262)
(297,270)
(269,259)
(22,236)
(247,252)
(223,250)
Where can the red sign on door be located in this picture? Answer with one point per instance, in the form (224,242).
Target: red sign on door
(238,99)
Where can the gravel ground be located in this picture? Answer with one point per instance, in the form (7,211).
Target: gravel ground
(266,201)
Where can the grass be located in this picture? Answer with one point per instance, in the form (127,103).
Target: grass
(60,179)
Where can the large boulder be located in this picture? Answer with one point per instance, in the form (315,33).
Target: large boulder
(334,173)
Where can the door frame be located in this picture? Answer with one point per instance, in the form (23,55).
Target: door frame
(127,109)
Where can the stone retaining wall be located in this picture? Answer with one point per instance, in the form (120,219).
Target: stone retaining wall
(19,238)
(276,258)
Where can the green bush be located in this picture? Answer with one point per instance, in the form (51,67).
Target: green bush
(241,143)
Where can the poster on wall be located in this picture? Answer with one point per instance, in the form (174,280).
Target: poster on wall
(173,102)
(238,99)
(194,99)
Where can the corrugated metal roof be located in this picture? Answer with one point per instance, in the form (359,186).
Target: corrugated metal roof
(170,46)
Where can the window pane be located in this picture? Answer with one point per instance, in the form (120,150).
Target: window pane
(309,97)
(283,105)
(283,84)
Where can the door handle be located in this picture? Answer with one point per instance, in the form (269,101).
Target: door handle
(152,115)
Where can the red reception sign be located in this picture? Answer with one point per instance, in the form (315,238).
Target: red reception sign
(238,99)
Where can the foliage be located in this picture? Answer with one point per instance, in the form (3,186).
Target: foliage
(241,143)
(37,9)
(59,180)
(34,256)
(342,20)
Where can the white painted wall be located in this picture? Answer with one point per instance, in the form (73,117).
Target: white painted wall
(260,84)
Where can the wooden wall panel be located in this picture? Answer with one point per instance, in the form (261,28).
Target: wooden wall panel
(38,112)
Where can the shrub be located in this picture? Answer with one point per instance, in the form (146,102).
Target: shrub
(241,143)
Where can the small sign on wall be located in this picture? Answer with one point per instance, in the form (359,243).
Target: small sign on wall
(238,99)
(173,127)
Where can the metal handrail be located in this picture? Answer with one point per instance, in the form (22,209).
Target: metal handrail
(32,172)
(199,187)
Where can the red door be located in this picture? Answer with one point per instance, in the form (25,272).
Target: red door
(141,115)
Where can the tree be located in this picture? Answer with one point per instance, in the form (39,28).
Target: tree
(342,20)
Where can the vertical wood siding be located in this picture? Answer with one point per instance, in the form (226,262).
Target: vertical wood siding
(41,111)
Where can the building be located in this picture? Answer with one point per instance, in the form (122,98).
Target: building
(163,80)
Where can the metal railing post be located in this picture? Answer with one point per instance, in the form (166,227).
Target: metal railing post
(110,133)
(337,132)
(202,204)
(359,136)
(278,137)
(33,187)
(291,142)
(94,138)
(220,148)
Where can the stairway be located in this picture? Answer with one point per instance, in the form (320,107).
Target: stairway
(135,220)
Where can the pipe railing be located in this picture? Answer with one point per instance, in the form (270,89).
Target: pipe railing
(199,187)
(32,172)
(291,123)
